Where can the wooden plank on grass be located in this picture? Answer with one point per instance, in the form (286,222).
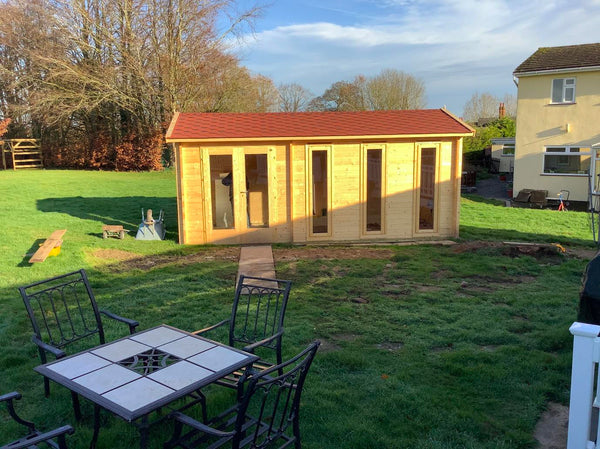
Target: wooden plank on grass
(51,242)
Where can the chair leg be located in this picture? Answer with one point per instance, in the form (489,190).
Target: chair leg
(296,432)
(177,428)
(76,406)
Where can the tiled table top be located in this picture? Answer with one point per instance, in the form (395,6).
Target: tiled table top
(142,372)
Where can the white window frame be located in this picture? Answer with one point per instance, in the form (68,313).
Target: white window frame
(508,146)
(566,85)
(565,151)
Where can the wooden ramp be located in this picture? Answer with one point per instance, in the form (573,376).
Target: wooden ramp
(52,243)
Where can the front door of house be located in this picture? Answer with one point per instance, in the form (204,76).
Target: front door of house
(238,198)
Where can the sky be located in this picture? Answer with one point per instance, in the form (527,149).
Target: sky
(456,47)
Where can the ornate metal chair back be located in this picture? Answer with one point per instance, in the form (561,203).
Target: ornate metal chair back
(258,311)
(62,310)
(271,404)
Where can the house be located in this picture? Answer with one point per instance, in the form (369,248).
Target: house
(314,177)
(503,153)
(558,119)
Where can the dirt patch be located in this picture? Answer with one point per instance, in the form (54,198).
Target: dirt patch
(514,249)
(115,254)
(551,429)
(126,261)
(330,253)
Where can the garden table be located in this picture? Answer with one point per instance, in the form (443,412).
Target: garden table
(138,374)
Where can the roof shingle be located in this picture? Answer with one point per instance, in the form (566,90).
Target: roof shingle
(206,126)
(567,57)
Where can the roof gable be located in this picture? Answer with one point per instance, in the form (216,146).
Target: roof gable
(277,125)
(557,58)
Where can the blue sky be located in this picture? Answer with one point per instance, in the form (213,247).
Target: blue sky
(457,47)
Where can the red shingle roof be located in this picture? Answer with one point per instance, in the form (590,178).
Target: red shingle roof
(206,126)
(566,57)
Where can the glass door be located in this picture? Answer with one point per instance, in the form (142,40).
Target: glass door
(238,187)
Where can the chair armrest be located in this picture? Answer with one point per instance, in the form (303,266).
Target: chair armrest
(43,437)
(131,323)
(200,426)
(210,328)
(10,396)
(253,346)
(58,353)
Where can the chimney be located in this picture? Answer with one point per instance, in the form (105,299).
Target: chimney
(501,111)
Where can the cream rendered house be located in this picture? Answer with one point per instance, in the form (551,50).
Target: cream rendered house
(558,119)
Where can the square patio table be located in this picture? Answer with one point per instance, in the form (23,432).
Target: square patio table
(143,372)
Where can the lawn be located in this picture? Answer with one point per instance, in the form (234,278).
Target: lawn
(422,346)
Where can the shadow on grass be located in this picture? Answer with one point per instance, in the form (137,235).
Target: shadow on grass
(126,210)
(32,249)
(495,234)
(481,199)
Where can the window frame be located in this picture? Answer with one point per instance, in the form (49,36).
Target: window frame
(363,191)
(508,146)
(565,151)
(564,87)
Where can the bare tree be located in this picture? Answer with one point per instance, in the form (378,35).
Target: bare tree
(75,70)
(487,106)
(293,97)
(391,89)
(394,89)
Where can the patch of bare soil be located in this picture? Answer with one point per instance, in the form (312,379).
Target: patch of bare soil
(330,253)
(515,249)
(127,261)
(551,429)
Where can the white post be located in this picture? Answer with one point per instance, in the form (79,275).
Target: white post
(585,357)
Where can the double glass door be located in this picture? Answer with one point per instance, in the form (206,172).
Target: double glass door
(237,195)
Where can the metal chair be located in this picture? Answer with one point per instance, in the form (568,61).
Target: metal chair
(33,436)
(267,415)
(256,320)
(63,311)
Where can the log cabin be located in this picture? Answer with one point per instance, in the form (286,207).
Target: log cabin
(317,177)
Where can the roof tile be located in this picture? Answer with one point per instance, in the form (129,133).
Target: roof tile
(205,126)
(566,57)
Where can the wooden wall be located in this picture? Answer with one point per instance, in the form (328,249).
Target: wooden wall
(289,197)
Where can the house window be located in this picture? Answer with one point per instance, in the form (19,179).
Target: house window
(563,90)
(508,149)
(567,160)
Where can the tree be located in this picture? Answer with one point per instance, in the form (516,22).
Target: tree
(293,97)
(473,146)
(391,89)
(394,89)
(487,106)
(88,75)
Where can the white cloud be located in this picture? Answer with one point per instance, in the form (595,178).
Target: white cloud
(457,46)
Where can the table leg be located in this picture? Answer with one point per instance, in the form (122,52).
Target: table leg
(144,428)
(96,426)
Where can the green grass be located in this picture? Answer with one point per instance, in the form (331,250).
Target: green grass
(447,349)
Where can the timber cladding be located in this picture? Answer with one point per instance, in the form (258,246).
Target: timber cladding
(347,188)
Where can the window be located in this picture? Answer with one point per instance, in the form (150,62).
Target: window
(563,90)
(427,189)
(567,160)
(373,189)
(320,192)
(508,149)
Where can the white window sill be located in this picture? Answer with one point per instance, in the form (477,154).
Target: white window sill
(577,175)
(562,103)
